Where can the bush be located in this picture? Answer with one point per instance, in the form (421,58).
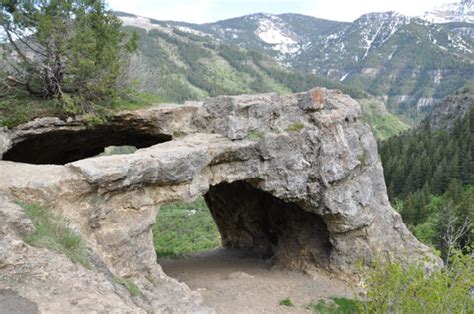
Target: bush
(392,288)
(286,302)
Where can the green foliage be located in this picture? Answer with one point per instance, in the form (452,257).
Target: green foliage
(70,51)
(431,158)
(130,285)
(384,125)
(286,302)
(295,127)
(336,306)
(53,232)
(392,288)
(256,135)
(118,150)
(179,230)
(430,175)
(21,107)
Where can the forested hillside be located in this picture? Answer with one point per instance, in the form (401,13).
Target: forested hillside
(430,176)
(180,65)
(183,66)
(409,61)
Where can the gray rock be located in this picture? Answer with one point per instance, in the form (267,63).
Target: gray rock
(307,196)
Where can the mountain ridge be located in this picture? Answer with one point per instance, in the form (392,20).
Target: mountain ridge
(410,62)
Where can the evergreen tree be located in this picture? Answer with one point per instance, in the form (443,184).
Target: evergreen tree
(70,50)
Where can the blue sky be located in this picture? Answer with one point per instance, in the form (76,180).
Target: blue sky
(202,11)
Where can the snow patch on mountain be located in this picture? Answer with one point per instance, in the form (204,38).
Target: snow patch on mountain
(462,11)
(272,30)
(190,31)
(140,22)
(378,28)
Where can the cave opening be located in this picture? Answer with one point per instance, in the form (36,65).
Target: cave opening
(251,219)
(242,217)
(64,146)
(253,231)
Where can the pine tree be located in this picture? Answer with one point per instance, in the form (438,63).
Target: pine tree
(70,50)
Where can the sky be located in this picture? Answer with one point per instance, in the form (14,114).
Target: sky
(204,11)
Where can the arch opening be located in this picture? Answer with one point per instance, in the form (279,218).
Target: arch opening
(248,220)
(254,220)
(257,231)
(65,146)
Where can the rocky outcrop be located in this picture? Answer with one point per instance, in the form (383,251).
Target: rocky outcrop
(296,178)
(452,108)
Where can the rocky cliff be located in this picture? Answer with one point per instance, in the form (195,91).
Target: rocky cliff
(452,108)
(294,178)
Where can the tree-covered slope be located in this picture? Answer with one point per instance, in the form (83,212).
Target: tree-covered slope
(411,62)
(182,66)
(179,63)
(429,173)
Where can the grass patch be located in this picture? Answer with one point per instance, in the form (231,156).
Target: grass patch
(295,127)
(53,232)
(336,306)
(286,302)
(255,135)
(383,124)
(183,228)
(20,107)
(130,285)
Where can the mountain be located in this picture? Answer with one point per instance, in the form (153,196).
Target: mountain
(410,62)
(181,63)
(462,11)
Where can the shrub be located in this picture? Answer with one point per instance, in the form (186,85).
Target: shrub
(286,302)
(392,288)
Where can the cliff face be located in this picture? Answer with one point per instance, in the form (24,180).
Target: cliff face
(296,178)
(452,108)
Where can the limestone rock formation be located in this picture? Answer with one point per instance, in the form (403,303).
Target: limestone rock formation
(294,178)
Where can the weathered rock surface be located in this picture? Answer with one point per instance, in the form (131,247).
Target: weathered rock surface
(452,108)
(296,178)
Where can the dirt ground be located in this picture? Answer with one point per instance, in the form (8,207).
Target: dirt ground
(232,281)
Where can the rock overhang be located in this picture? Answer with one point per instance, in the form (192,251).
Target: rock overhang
(308,150)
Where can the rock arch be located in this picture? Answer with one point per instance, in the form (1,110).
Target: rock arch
(306,161)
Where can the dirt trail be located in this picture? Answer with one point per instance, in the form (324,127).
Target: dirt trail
(232,281)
